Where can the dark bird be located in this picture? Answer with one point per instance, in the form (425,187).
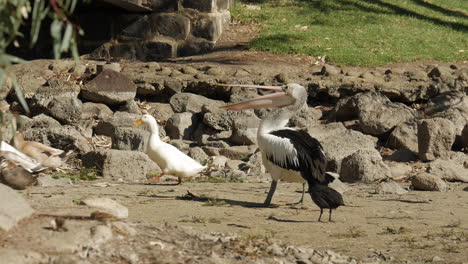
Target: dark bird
(325,197)
(16,177)
(288,154)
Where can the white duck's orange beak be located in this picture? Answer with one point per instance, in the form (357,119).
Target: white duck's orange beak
(277,99)
(138,122)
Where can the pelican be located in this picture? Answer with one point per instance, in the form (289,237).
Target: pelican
(171,160)
(288,154)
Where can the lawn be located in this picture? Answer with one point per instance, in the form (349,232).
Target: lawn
(360,32)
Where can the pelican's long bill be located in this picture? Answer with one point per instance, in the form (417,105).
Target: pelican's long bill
(277,99)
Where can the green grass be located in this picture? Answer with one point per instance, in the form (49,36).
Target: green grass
(85,174)
(361,32)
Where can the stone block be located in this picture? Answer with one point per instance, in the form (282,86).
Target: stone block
(109,87)
(120,164)
(200,5)
(209,28)
(137,29)
(194,46)
(171,25)
(164,5)
(158,49)
(224,4)
(435,138)
(129,138)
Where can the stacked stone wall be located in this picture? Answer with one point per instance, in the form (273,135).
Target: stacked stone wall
(173,28)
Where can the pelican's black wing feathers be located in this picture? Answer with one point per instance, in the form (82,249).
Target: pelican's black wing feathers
(308,158)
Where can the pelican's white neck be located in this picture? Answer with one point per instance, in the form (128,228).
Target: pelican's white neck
(277,119)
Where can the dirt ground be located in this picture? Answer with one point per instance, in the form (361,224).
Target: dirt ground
(416,226)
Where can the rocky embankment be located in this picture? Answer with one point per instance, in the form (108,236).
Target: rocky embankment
(384,125)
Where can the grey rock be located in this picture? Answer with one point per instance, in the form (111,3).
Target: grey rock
(48,181)
(64,109)
(107,205)
(95,111)
(452,105)
(449,170)
(215,71)
(31,76)
(255,165)
(181,125)
(238,152)
(109,87)
(378,115)
(129,138)
(61,137)
(107,126)
(218,161)
(222,120)
(40,121)
(338,185)
(244,131)
(189,70)
(198,154)
(364,165)
(120,164)
(404,136)
(188,102)
(329,70)
(114,66)
(160,111)
(234,164)
(435,138)
(440,72)
(339,142)
(13,208)
(58,89)
(428,182)
(305,117)
(131,106)
(390,188)
(403,155)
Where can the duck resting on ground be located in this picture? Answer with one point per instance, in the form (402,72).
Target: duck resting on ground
(171,160)
(288,154)
(45,155)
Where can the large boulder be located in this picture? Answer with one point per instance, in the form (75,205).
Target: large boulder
(181,125)
(435,138)
(451,105)
(57,98)
(188,102)
(450,170)
(13,208)
(244,131)
(120,164)
(376,113)
(109,87)
(107,126)
(130,138)
(223,120)
(95,111)
(404,136)
(365,166)
(339,142)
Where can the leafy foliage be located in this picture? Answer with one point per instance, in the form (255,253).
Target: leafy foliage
(13,15)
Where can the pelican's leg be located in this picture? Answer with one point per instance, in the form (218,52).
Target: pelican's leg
(179,180)
(321,212)
(270,193)
(156,178)
(302,197)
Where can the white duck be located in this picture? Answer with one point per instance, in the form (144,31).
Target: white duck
(171,160)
